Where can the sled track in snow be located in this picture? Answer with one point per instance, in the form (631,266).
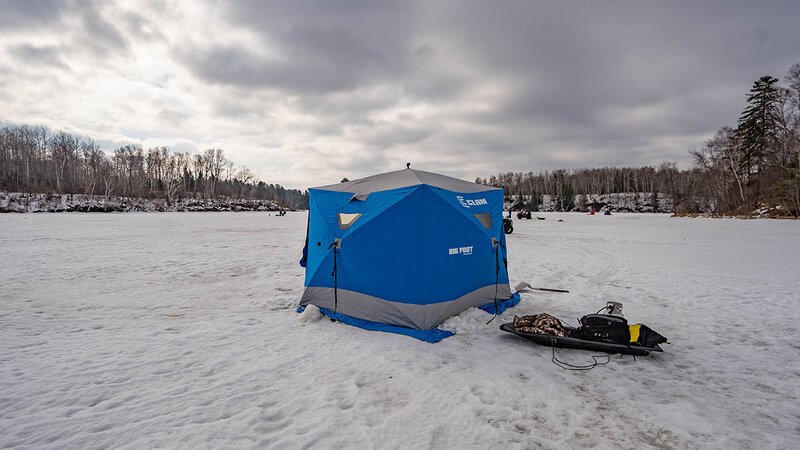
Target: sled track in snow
(593,267)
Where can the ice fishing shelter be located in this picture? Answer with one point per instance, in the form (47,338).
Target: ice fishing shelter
(403,251)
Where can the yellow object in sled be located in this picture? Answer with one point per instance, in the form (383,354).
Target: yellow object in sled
(635,332)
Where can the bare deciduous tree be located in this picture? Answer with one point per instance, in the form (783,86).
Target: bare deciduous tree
(34,159)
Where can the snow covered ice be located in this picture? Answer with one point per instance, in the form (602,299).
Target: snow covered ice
(179,330)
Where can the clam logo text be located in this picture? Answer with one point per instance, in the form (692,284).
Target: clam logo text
(466,202)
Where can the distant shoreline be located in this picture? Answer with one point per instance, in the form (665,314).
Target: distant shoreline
(24,203)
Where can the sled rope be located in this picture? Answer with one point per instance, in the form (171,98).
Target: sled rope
(568,366)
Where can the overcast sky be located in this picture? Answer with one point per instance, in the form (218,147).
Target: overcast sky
(305,93)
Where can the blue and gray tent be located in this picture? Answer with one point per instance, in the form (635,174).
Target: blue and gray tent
(403,251)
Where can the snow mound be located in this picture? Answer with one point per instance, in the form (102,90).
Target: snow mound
(471,321)
(310,314)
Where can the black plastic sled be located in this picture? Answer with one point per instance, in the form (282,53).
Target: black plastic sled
(581,344)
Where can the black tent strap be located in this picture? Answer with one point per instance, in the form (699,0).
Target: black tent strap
(496,244)
(335,274)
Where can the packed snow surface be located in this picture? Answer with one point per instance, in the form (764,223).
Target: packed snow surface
(179,330)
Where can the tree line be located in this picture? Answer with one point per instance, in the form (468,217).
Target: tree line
(754,166)
(564,186)
(37,159)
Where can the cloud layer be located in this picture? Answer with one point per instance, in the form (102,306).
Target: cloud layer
(308,92)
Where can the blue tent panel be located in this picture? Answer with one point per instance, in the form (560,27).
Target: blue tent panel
(502,305)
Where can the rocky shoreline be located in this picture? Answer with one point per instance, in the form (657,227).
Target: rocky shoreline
(16,202)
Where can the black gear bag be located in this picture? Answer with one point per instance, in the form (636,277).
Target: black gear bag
(605,328)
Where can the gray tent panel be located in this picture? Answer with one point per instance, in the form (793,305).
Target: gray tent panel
(420,317)
(405,178)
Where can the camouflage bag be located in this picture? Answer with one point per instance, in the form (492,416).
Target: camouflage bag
(539,324)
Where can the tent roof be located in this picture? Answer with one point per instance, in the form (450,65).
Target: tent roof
(405,178)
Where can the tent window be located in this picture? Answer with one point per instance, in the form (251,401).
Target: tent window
(345,220)
(485,219)
(359,197)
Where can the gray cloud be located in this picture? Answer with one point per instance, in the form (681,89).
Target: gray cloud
(99,33)
(313,59)
(28,14)
(172,117)
(39,55)
(241,67)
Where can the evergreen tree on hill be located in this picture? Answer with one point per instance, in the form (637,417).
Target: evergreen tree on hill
(758,126)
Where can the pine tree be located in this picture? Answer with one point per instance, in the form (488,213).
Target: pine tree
(654,200)
(758,126)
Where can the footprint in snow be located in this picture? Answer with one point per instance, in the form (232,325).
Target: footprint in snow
(248,322)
